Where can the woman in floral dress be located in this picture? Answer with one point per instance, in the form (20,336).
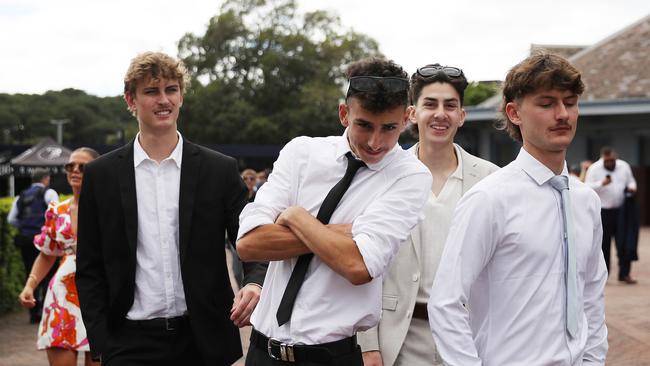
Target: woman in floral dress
(61,332)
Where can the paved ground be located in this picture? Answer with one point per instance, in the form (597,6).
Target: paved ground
(627,308)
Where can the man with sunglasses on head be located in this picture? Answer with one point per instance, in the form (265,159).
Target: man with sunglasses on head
(330,218)
(403,336)
(522,275)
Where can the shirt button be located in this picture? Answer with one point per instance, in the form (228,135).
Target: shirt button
(416,276)
(408,314)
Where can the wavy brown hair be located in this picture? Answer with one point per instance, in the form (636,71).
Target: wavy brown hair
(540,71)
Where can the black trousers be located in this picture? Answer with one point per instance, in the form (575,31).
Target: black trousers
(610,218)
(28,252)
(258,357)
(135,345)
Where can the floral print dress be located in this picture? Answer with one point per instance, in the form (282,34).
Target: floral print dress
(61,325)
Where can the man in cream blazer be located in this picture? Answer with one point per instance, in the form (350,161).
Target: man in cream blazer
(403,336)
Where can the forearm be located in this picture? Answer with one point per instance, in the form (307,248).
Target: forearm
(39,269)
(335,249)
(270,242)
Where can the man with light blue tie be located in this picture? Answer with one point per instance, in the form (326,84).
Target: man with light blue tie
(522,276)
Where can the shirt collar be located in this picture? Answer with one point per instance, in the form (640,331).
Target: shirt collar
(458,173)
(539,172)
(343,146)
(139,155)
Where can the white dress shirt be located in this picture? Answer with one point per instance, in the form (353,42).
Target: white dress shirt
(613,194)
(504,258)
(49,196)
(158,283)
(383,202)
(438,213)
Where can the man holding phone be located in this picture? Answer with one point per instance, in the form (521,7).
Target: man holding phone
(612,179)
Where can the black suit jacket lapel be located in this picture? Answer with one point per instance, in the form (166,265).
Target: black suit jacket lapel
(126,176)
(189,179)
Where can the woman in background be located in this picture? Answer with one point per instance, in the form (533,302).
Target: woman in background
(61,331)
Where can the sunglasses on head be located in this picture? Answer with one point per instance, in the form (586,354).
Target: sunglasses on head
(433,70)
(375,84)
(69,167)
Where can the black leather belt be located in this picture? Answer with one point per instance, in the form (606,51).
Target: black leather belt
(166,324)
(319,353)
(420,311)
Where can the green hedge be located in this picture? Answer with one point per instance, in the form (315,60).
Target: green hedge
(12,274)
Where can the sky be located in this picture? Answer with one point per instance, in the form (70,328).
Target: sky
(87,44)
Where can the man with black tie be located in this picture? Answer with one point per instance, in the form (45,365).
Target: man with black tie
(151,272)
(331,217)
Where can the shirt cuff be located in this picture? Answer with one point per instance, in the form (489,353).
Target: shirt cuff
(251,222)
(365,246)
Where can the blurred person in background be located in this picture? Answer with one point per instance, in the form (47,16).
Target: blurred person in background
(574,173)
(27,214)
(250,179)
(584,166)
(61,331)
(612,180)
(262,176)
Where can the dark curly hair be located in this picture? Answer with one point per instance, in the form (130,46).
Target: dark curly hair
(377,102)
(540,71)
(419,82)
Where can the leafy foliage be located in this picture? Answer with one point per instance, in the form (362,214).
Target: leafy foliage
(12,273)
(26,118)
(263,74)
(477,92)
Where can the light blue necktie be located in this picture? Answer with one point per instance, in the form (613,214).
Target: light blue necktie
(561,183)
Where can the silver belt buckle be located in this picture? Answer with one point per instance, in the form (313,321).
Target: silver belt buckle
(286,350)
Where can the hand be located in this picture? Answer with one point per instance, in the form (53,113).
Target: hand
(345,229)
(26,297)
(607,180)
(372,358)
(285,217)
(245,301)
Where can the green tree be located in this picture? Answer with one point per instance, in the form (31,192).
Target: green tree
(478,92)
(261,73)
(26,118)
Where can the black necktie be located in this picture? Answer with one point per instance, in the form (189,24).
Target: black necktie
(324,213)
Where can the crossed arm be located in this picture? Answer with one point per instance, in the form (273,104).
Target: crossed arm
(296,232)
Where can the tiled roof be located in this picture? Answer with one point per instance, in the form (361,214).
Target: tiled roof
(617,67)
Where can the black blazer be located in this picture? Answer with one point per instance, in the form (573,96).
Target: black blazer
(212,195)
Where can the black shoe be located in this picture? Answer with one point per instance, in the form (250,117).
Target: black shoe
(628,280)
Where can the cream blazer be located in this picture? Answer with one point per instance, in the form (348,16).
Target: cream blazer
(401,283)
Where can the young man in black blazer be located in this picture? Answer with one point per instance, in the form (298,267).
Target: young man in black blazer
(151,270)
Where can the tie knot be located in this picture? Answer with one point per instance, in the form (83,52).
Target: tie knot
(353,163)
(559,182)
